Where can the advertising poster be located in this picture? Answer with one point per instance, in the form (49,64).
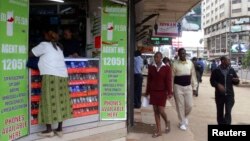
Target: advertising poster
(13,71)
(167,29)
(113,86)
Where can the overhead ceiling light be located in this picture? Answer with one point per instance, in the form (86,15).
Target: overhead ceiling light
(65,10)
(62,1)
(119,2)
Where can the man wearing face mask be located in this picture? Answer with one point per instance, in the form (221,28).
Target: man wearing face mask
(223,78)
(185,85)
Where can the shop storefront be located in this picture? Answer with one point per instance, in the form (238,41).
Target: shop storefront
(97,78)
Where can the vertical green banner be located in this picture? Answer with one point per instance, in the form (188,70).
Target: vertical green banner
(113,86)
(13,72)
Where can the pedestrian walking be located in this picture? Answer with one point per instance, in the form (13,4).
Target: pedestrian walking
(185,85)
(166,61)
(198,70)
(54,105)
(138,78)
(222,79)
(159,87)
(202,64)
(213,65)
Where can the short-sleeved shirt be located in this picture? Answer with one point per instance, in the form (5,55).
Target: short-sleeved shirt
(138,65)
(51,61)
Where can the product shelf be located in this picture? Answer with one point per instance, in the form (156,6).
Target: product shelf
(78,94)
(83,70)
(80,114)
(35,98)
(84,105)
(83,94)
(34,111)
(34,121)
(35,72)
(93,93)
(35,85)
(81,82)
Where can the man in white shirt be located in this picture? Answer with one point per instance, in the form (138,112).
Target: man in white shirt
(138,65)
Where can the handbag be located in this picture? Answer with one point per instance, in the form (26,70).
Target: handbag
(32,62)
(145,101)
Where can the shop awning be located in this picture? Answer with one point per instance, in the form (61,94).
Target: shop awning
(150,11)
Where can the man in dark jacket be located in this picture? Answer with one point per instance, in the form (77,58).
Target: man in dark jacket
(223,78)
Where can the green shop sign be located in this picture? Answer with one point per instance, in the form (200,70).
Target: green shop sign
(113,85)
(13,72)
(161,41)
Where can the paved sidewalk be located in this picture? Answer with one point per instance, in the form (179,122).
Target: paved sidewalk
(145,123)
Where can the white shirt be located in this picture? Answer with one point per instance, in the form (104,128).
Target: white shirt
(158,68)
(51,61)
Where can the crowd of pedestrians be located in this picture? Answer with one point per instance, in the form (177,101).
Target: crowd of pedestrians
(180,78)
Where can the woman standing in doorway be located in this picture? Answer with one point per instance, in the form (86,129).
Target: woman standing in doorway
(54,105)
(159,87)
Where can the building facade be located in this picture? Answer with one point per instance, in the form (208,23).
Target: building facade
(226,25)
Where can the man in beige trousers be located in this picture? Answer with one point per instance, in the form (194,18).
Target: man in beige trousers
(184,85)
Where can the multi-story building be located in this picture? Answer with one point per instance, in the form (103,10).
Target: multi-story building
(226,25)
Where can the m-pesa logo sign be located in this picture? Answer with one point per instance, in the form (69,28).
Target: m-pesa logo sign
(10,21)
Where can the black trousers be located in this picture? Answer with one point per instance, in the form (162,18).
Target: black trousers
(224,102)
(137,90)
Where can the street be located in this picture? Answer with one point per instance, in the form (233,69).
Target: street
(243,74)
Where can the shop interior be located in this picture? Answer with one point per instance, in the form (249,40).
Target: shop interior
(83,70)
(71,15)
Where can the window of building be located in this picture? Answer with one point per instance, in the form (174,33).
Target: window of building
(205,31)
(222,14)
(236,1)
(216,9)
(236,10)
(214,28)
(248,9)
(216,17)
(219,26)
(217,44)
(224,24)
(213,42)
(222,6)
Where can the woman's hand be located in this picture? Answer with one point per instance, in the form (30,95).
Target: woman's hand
(169,96)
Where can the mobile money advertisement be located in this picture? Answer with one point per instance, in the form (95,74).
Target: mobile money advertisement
(13,72)
(113,86)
